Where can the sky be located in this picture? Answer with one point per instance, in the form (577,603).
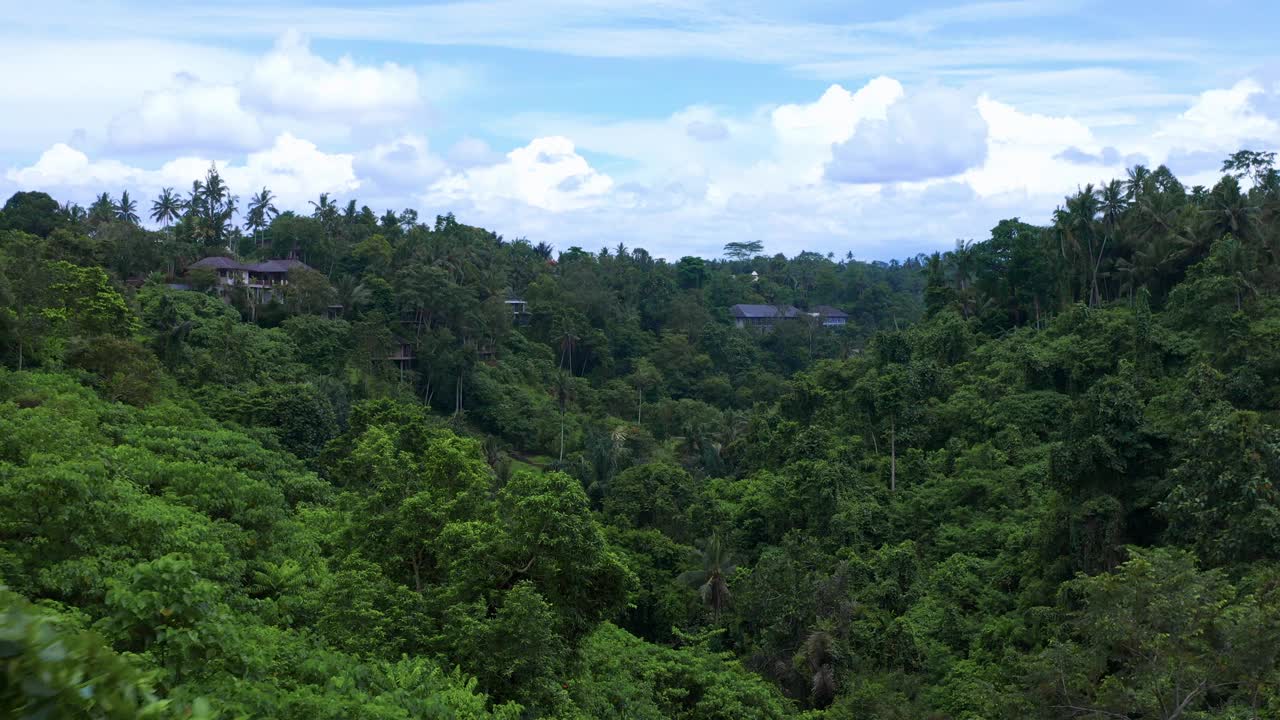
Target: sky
(838,126)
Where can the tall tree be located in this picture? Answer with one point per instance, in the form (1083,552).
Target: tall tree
(127,209)
(166,208)
(260,212)
(712,577)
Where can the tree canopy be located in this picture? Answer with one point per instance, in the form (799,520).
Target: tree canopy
(428,471)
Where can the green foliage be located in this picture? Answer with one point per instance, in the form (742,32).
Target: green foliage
(53,670)
(1034,476)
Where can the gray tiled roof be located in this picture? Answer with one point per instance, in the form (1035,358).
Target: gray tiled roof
(266,266)
(762,311)
(217,263)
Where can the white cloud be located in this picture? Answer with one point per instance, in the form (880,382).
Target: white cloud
(404,163)
(1219,120)
(930,134)
(295,170)
(548,173)
(833,117)
(1023,152)
(292,80)
(470,152)
(62,167)
(190,115)
(69,88)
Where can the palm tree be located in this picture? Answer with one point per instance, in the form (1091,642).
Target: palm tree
(102,210)
(166,208)
(564,391)
(1082,217)
(352,294)
(1135,187)
(127,209)
(962,262)
(712,579)
(261,212)
(1229,212)
(212,206)
(1112,204)
(325,210)
(74,214)
(544,250)
(819,652)
(1235,258)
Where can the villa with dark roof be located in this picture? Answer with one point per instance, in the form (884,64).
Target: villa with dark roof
(266,279)
(762,316)
(766,316)
(830,316)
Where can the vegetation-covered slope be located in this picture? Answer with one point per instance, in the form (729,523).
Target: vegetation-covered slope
(1035,476)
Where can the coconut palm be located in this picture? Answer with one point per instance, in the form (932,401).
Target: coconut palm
(325,209)
(167,208)
(74,214)
(102,210)
(352,294)
(819,653)
(963,259)
(127,209)
(1136,185)
(261,212)
(712,579)
(1229,212)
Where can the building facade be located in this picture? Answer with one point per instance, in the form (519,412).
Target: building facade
(265,280)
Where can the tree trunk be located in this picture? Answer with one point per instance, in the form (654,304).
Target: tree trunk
(893,456)
(639,403)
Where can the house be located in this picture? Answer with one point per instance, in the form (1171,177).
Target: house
(831,317)
(519,311)
(230,272)
(265,280)
(402,355)
(762,316)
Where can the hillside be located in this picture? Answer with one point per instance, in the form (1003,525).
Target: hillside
(426,471)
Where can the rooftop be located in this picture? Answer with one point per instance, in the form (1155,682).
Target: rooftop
(828,311)
(763,311)
(219,262)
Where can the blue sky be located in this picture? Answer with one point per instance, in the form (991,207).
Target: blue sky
(882,129)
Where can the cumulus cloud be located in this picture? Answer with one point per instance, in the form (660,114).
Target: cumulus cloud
(288,89)
(295,170)
(189,115)
(1023,150)
(930,134)
(293,80)
(548,173)
(60,85)
(1221,119)
(833,117)
(62,166)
